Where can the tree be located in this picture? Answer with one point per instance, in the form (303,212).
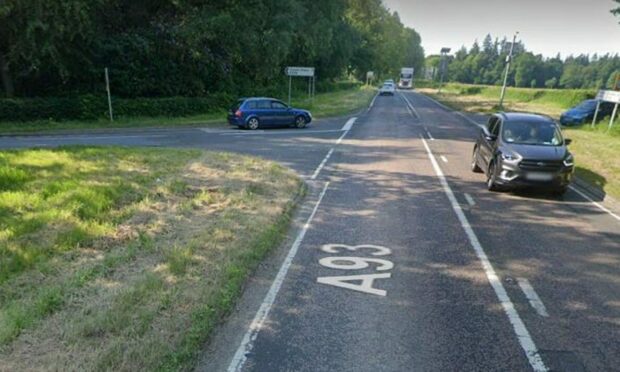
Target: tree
(616,11)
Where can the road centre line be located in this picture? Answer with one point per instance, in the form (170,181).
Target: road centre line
(443,158)
(523,335)
(469,200)
(598,205)
(532,296)
(240,357)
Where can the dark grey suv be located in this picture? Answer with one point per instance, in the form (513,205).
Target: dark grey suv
(523,150)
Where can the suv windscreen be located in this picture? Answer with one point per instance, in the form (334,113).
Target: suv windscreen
(532,133)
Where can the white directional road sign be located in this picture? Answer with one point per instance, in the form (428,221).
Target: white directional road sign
(608,96)
(300,71)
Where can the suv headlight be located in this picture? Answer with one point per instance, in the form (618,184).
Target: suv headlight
(511,158)
(569,161)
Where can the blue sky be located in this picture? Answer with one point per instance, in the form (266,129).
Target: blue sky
(545,26)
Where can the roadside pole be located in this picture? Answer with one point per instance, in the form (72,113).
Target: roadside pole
(613,116)
(508,60)
(598,106)
(442,67)
(290,81)
(107,87)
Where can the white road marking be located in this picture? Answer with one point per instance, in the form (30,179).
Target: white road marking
(410,105)
(367,281)
(469,200)
(532,296)
(523,335)
(598,205)
(261,315)
(372,103)
(320,167)
(349,124)
(430,136)
(262,132)
(444,159)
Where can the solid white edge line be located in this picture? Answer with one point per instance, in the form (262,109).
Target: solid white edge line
(469,200)
(523,335)
(372,103)
(598,205)
(349,124)
(532,297)
(247,343)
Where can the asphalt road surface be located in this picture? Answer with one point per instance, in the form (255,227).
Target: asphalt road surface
(402,261)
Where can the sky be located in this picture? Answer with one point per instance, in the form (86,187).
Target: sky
(545,26)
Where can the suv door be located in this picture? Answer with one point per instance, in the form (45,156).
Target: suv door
(282,114)
(488,140)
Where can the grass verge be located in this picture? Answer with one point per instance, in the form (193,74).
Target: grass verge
(134,254)
(597,149)
(340,102)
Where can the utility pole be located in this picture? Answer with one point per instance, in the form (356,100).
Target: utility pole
(508,60)
(107,88)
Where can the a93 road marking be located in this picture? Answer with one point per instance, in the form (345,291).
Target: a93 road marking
(361,283)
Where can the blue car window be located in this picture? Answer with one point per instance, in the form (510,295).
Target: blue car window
(251,105)
(278,105)
(263,105)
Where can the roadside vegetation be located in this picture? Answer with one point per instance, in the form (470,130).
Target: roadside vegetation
(597,150)
(125,259)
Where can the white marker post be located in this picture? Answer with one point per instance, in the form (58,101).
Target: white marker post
(107,87)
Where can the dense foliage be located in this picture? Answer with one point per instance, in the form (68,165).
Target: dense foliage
(485,65)
(193,47)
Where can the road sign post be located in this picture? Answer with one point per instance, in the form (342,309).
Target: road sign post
(292,72)
(508,60)
(107,88)
(607,96)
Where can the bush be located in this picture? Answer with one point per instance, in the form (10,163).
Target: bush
(88,107)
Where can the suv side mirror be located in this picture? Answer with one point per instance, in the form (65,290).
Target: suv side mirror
(567,141)
(488,135)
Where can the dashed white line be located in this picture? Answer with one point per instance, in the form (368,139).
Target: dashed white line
(443,158)
(349,124)
(532,296)
(330,152)
(261,315)
(523,335)
(469,200)
(410,105)
(430,136)
(599,205)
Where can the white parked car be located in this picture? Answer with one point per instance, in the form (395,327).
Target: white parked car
(387,89)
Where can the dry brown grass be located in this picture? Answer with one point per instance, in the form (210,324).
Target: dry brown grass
(147,295)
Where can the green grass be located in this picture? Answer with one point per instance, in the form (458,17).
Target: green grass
(340,102)
(135,254)
(597,150)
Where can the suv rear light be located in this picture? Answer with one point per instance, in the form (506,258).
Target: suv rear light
(238,113)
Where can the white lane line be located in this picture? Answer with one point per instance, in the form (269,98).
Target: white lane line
(269,133)
(443,158)
(372,103)
(261,315)
(532,296)
(598,205)
(320,167)
(523,335)
(430,136)
(469,200)
(349,124)
(410,105)
(329,154)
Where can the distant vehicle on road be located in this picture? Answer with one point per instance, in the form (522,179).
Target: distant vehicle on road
(389,81)
(256,112)
(584,112)
(406,78)
(523,150)
(387,89)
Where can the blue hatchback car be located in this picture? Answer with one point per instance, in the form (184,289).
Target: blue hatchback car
(252,113)
(585,112)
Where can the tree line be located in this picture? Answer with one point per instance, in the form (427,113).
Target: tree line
(485,64)
(193,47)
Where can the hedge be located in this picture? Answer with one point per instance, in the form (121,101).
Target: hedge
(88,107)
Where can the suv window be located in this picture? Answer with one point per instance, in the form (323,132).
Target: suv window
(495,129)
(278,105)
(263,104)
(493,125)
